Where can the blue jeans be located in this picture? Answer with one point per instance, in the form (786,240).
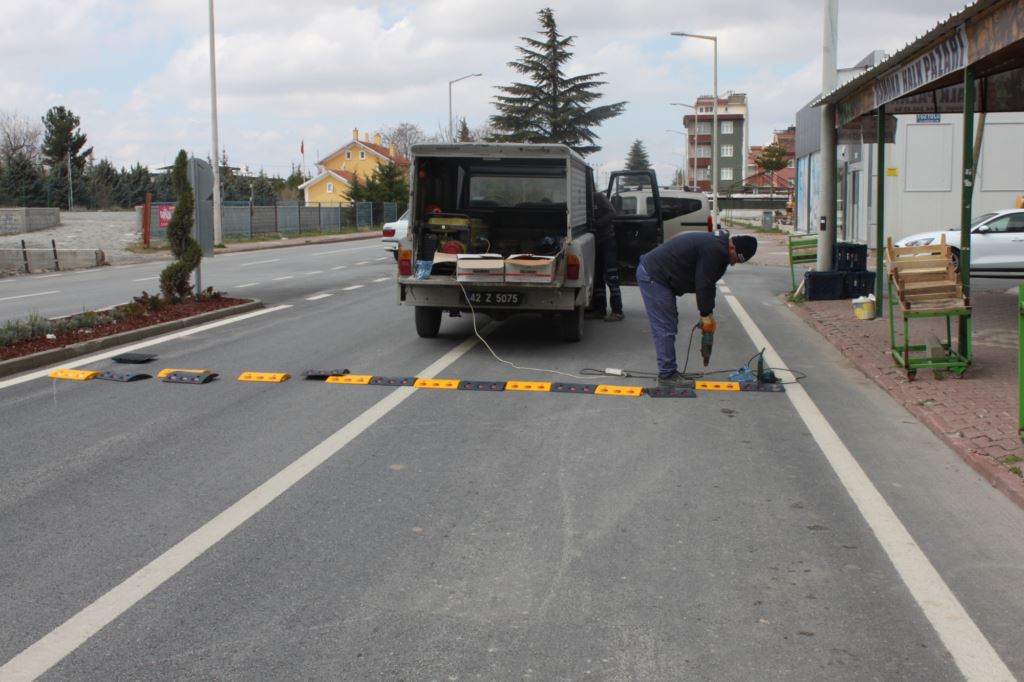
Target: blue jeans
(663,316)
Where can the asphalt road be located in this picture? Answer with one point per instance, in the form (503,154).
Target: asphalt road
(243,530)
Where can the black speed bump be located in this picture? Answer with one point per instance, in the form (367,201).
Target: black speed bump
(573,388)
(322,374)
(118,375)
(482,386)
(134,358)
(393,381)
(670,392)
(763,388)
(181,376)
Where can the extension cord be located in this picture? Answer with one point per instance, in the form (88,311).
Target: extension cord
(615,372)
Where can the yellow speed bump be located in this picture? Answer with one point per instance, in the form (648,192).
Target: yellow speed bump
(269,377)
(717,386)
(356,379)
(448,384)
(540,386)
(630,391)
(74,374)
(164,372)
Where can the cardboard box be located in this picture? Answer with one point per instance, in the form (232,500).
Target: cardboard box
(480,267)
(527,268)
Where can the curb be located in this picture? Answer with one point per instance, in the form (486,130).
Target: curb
(995,474)
(46,357)
(283,243)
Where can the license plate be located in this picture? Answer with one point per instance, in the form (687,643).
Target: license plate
(494,298)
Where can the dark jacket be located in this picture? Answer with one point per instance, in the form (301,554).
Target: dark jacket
(604,218)
(690,263)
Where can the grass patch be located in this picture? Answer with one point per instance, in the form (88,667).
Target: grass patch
(1011,459)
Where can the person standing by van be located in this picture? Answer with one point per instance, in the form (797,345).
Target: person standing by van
(607,267)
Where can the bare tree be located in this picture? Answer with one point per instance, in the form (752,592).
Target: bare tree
(19,136)
(404,136)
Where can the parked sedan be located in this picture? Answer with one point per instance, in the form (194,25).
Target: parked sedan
(395,232)
(997,242)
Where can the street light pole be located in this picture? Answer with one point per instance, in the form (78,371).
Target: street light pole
(218,237)
(714,120)
(696,120)
(451,125)
(678,132)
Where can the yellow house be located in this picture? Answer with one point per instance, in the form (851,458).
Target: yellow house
(360,157)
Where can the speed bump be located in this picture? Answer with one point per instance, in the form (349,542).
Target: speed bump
(539,386)
(393,381)
(449,384)
(73,374)
(559,387)
(267,377)
(763,388)
(628,391)
(118,375)
(164,372)
(185,376)
(717,386)
(323,373)
(351,379)
(481,385)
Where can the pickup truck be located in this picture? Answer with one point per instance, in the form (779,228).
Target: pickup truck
(505,228)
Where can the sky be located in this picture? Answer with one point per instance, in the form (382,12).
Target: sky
(137,72)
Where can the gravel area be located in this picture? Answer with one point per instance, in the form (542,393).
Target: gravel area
(110,231)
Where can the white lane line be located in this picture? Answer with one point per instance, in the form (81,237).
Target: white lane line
(44,276)
(358,248)
(339,267)
(313,272)
(974,655)
(48,651)
(353,287)
(145,279)
(38,293)
(363,262)
(318,297)
(89,359)
(281,279)
(258,262)
(383,279)
(249,284)
(383,258)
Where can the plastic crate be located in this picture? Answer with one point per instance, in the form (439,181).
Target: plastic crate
(824,286)
(860,283)
(850,257)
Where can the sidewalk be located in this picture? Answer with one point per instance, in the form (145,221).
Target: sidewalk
(976,415)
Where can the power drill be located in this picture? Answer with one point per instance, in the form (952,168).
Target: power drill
(707,339)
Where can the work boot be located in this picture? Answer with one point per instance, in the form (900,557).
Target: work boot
(614,317)
(675,380)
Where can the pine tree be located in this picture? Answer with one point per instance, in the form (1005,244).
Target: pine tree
(773,158)
(175,279)
(62,145)
(552,107)
(464,134)
(21,182)
(637,159)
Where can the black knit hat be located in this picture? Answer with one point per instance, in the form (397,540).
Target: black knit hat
(746,247)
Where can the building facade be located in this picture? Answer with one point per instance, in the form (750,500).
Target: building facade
(336,170)
(733,141)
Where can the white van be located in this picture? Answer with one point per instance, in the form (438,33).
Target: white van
(681,211)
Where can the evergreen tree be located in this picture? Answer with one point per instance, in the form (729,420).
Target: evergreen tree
(773,158)
(132,186)
(101,181)
(175,279)
(464,134)
(62,146)
(637,159)
(21,182)
(552,107)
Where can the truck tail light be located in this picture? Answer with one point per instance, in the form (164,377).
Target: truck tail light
(388,232)
(711,223)
(404,263)
(572,267)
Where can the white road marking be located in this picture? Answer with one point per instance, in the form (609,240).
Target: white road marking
(44,276)
(357,248)
(145,279)
(90,359)
(249,284)
(281,279)
(339,267)
(53,647)
(383,279)
(353,287)
(39,293)
(363,262)
(258,262)
(318,297)
(973,654)
(313,272)
(383,258)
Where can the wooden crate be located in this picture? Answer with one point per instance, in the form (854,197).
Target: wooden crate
(925,277)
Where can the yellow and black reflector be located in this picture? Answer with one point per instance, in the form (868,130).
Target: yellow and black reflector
(588,389)
(627,391)
(322,374)
(671,392)
(538,386)
(447,384)
(265,377)
(481,385)
(351,379)
(74,374)
(118,375)
(393,381)
(717,386)
(165,372)
(185,376)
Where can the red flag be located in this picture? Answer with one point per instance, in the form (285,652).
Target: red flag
(302,147)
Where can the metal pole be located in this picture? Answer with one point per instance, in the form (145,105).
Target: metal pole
(966,199)
(714,138)
(829,76)
(218,236)
(71,194)
(451,125)
(880,219)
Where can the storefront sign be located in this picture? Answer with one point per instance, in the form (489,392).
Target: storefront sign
(946,57)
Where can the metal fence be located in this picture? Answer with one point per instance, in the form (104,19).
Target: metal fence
(243,220)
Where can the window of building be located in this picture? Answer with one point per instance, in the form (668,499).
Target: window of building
(330,188)
(704,127)
(726,127)
(703,151)
(362,155)
(727,173)
(348,155)
(726,151)
(703,173)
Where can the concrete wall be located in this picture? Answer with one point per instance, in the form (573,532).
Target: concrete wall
(42,260)
(18,220)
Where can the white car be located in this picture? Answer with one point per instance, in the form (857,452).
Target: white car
(395,232)
(997,242)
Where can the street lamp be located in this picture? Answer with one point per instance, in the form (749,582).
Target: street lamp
(693,156)
(218,236)
(451,126)
(714,120)
(679,132)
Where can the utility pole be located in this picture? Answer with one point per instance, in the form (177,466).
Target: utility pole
(829,77)
(218,237)
(71,194)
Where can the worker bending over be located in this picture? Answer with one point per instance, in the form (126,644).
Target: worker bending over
(691,263)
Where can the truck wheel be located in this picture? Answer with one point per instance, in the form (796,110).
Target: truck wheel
(428,321)
(571,324)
